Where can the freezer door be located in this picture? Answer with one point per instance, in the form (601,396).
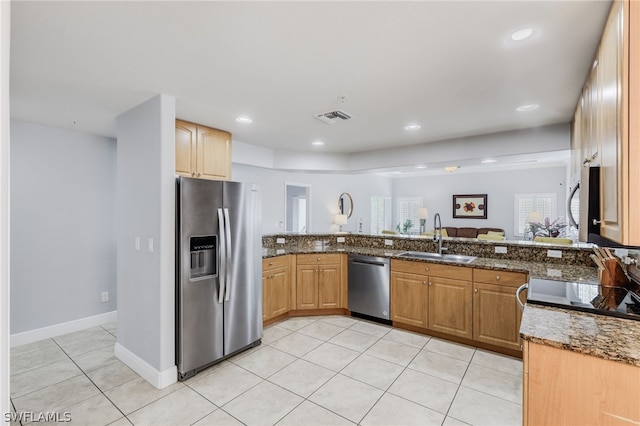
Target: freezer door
(243,299)
(199,314)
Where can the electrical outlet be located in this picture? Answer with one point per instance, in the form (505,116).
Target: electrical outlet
(280,240)
(150,245)
(554,273)
(104,296)
(388,242)
(340,239)
(500,249)
(554,253)
(137,243)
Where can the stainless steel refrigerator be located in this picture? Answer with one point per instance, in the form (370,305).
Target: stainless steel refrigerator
(218,271)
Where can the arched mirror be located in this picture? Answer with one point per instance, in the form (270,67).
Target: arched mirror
(297,212)
(345,204)
(573,207)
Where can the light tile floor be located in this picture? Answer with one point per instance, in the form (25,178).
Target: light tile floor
(330,370)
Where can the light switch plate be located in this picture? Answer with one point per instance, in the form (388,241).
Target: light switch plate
(554,253)
(137,243)
(500,249)
(388,242)
(150,245)
(340,239)
(280,240)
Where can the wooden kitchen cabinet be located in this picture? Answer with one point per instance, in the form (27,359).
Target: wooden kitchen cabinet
(202,152)
(606,123)
(408,298)
(563,387)
(496,314)
(450,306)
(276,287)
(433,296)
(319,281)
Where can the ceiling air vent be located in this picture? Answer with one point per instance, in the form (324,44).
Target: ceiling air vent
(332,116)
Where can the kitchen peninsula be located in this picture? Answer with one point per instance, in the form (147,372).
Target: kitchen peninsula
(480,295)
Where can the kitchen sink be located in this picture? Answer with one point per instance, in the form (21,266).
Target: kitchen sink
(457,258)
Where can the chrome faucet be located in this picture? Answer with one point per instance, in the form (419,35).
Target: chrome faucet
(437,232)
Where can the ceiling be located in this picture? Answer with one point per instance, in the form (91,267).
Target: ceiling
(449,66)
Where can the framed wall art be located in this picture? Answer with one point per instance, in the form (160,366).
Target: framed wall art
(472,206)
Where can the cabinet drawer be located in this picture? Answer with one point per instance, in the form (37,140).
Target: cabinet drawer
(314,259)
(275,262)
(432,269)
(488,276)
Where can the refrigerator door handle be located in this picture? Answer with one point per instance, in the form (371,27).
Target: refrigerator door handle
(227,229)
(223,257)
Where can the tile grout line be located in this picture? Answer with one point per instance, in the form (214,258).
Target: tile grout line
(89,378)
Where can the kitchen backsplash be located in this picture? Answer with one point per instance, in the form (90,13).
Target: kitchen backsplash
(524,251)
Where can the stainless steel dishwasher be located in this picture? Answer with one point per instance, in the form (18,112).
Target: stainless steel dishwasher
(369,286)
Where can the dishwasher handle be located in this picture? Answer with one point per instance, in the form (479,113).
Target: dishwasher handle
(360,262)
(519,291)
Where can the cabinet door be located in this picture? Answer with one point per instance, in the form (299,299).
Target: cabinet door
(278,291)
(185,148)
(496,315)
(408,299)
(569,388)
(329,288)
(450,306)
(307,287)
(610,63)
(214,154)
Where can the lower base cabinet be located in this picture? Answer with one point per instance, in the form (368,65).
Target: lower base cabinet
(432,296)
(276,287)
(319,281)
(563,387)
(476,305)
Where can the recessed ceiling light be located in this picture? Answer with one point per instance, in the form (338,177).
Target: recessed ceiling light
(412,126)
(451,168)
(244,120)
(529,107)
(421,166)
(317,143)
(521,34)
(488,160)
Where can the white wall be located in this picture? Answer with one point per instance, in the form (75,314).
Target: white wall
(146,209)
(63,247)
(527,141)
(5,35)
(499,186)
(325,190)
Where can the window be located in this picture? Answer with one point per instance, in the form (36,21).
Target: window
(380,214)
(408,209)
(545,204)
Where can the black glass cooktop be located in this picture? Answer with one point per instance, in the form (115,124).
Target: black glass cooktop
(595,298)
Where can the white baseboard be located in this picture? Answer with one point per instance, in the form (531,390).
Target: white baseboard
(31,336)
(159,379)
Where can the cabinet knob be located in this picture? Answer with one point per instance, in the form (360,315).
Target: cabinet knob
(318,259)
(596,221)
(426,269)
(497,277)
(424,283)
(475,290)
(429,282)
(193,174)
(271,264)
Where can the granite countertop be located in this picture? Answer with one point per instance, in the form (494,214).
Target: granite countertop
(534,269)
(607,337)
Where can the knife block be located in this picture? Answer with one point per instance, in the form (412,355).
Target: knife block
(613,275)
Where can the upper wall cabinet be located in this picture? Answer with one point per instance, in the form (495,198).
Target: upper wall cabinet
(606,126)
(202,152)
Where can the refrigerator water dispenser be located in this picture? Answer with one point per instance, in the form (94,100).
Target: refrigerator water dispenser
(204,262)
